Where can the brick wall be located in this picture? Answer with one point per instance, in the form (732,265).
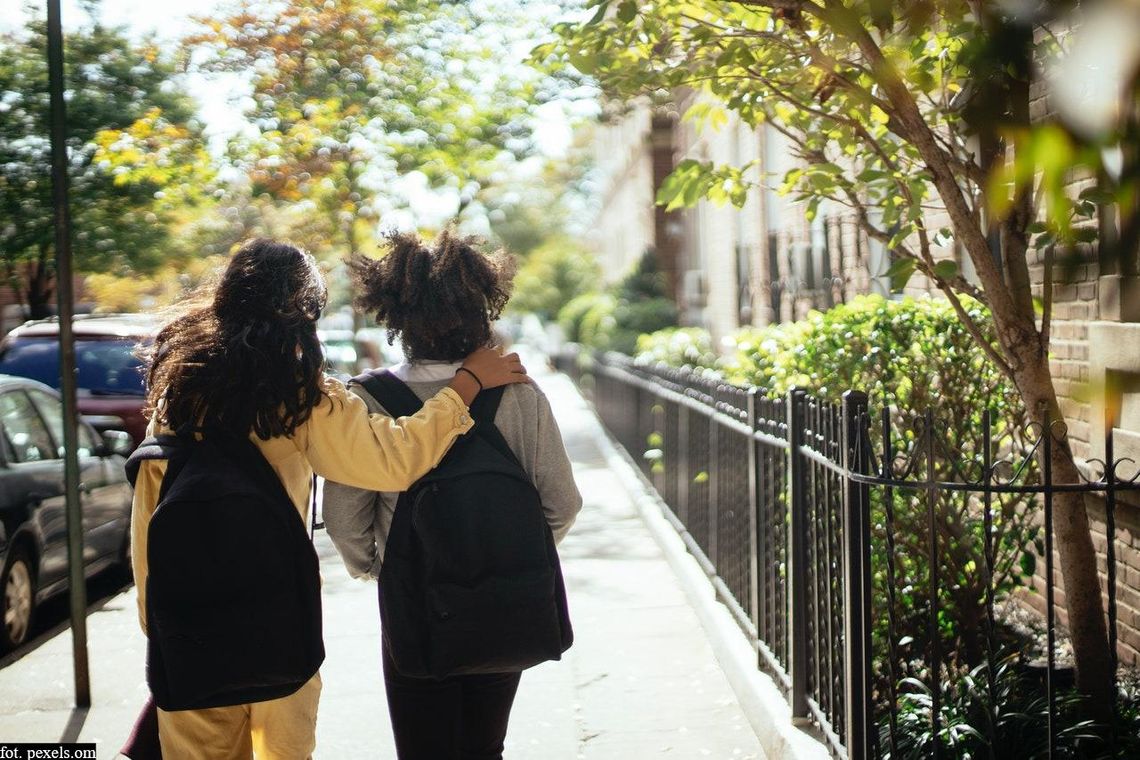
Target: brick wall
(1127,577)
(1078,376)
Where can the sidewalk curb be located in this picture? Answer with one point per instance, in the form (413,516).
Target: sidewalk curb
(761,700)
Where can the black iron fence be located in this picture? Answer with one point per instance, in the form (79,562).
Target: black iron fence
(860,560)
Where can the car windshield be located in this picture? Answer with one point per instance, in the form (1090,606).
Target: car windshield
(106,367)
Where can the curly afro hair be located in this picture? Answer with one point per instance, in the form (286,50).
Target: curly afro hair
(439,301)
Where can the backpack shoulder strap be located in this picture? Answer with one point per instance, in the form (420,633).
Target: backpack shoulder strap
(396,397)
(174,448)
(162,446)
(392,393)
(483,411)
(486,405)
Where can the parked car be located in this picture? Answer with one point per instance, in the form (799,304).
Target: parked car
(111,384)
(33,523)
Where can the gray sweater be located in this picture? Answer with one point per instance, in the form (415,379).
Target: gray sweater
(358,521)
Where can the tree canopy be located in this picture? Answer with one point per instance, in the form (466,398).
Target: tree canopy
(135,155)
(349,95)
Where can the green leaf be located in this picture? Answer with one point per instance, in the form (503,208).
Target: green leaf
(603,6)
(684,186)
(586,64)
(946,269)
(812,208)
(900,272)
(1097,195)
(627,11)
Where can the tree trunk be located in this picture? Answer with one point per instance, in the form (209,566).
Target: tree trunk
(1073,541)
(1025,346)
(1028,348)
(40,287)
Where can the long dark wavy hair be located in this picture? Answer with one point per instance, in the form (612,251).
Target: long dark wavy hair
(244,355)
(439,301)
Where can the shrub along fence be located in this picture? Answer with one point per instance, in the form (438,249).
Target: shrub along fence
(837,543)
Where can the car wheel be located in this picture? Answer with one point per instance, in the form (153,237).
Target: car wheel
(18,600)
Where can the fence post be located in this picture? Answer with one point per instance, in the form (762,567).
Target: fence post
(754,516)
(797,557)
(857,577)
(712,388)
(683,458)
(637,447)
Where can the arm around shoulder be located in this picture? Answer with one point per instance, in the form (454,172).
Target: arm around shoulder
(344,443)
(350,516)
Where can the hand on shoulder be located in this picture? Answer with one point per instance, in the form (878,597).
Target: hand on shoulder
(491,368)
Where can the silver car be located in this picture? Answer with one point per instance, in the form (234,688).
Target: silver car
(33,524)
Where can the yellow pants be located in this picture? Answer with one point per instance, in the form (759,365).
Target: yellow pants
(279,729)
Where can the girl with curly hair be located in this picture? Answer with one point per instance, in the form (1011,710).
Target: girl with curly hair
(244,357)
(441,302)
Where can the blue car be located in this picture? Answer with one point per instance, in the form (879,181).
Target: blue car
(33,524)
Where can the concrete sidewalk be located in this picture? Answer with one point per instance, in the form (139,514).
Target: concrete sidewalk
(640,682)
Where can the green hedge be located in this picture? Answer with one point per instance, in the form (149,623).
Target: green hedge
(909,355)
(912,355)
(678,347)
(573,316)
(613,320)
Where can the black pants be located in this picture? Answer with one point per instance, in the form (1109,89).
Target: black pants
(457,718)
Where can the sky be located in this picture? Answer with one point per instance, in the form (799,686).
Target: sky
(171,20)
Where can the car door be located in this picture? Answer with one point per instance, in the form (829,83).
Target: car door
(35,475)
(105,499)
(107,495)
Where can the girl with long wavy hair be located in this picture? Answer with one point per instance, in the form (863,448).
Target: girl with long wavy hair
(244,357)
(441,302)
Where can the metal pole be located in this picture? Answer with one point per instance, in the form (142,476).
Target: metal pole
(713,470)
(797,557)
(76,578)
(857,572)
(759,620)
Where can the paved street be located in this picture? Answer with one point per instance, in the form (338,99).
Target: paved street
(640,682)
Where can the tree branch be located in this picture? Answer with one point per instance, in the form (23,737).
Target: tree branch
(1014,325)
(972,327)
(1047,298)
(781,5)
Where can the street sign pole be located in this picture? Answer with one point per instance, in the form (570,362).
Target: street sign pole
(59,182)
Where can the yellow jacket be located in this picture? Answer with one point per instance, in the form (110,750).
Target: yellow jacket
(340,441)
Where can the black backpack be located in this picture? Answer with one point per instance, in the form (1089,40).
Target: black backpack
(470,581)
(233,598)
